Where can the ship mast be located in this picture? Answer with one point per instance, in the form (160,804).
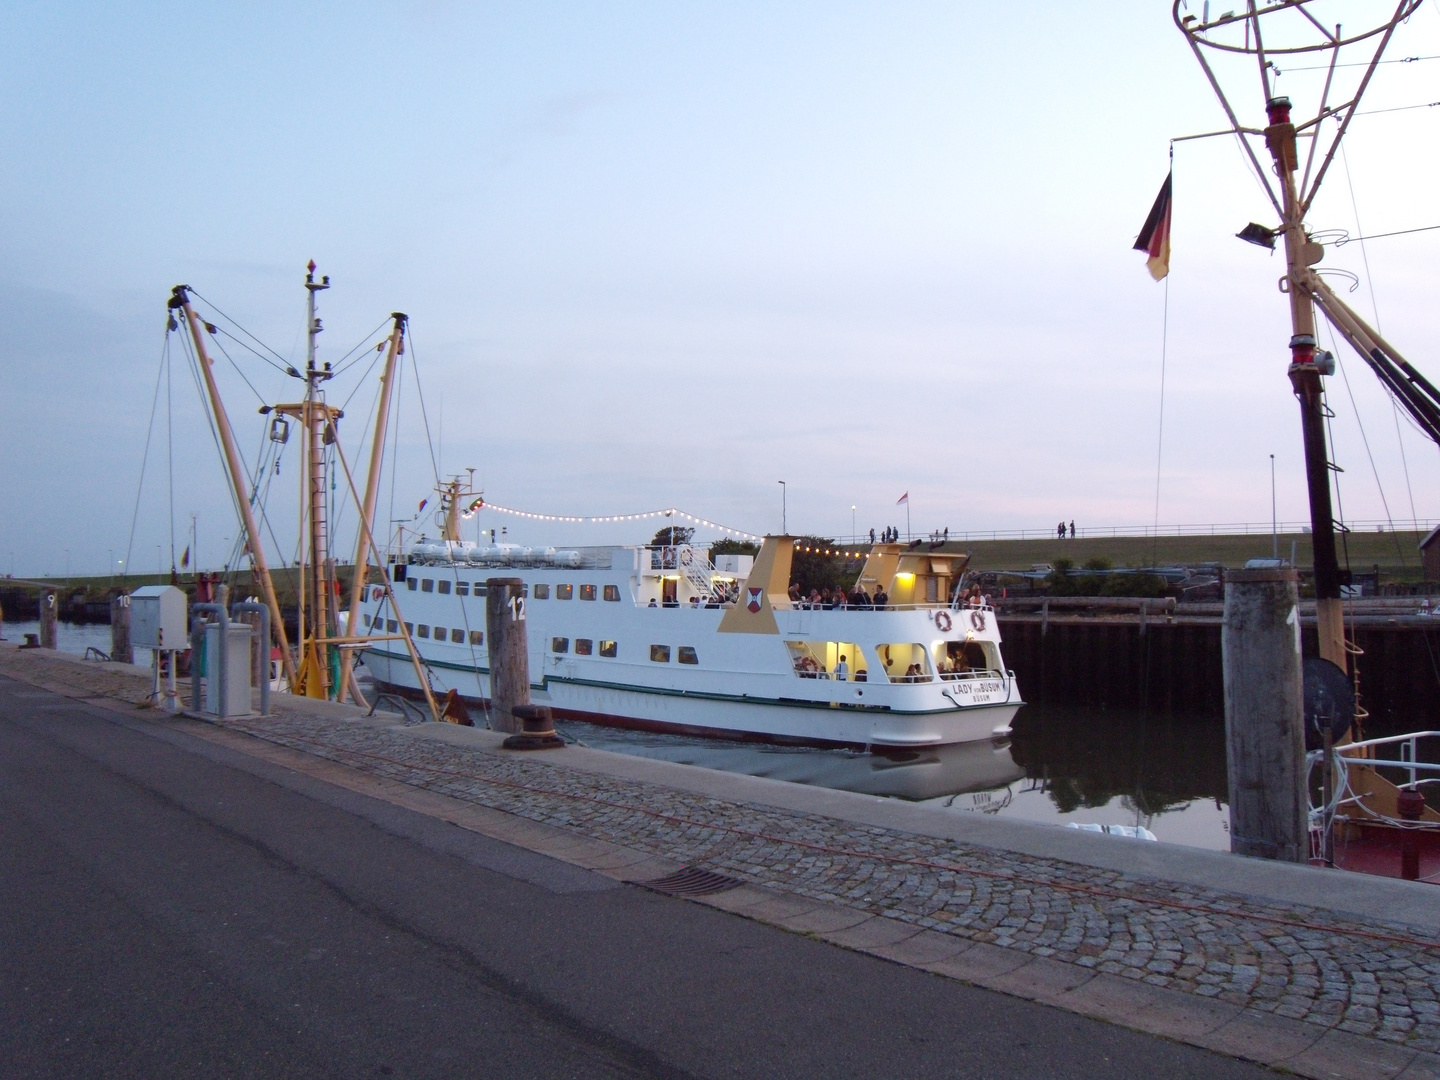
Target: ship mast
(1287,29)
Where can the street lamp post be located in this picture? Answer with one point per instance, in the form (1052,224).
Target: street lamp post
(852,524)
(784,511)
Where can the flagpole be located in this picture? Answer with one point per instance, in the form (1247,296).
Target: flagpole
(907,517)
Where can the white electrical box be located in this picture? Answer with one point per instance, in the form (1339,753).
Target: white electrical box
(157,618)
(235,656)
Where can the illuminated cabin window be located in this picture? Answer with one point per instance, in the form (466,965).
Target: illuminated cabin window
(542,592)
(462,588)
(584,646)
(457,637)
(477,637)
(660,654)
(687,655)
(391,626)
(444,586)
(559,644)
(422,630)
(607,648)
(587,592)
(412,583)
(564,592)
(612,593)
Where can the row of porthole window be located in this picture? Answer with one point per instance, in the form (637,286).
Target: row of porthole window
(540,592)
(660,654)
(456,636)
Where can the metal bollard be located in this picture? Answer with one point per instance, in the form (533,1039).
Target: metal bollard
(538,732)
(1411,805)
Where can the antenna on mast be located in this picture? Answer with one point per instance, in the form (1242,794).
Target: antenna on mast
(1225,47)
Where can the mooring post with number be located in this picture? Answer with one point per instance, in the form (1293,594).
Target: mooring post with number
(49,616)
(1264,715)
(505,626)
(120,650)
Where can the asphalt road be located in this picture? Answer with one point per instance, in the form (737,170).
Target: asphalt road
(173,908)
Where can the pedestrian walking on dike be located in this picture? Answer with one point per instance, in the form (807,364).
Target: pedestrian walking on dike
(1072,530)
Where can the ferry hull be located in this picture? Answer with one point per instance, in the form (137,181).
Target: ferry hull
(677,712)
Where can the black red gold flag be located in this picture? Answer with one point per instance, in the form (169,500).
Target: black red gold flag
(1154,238)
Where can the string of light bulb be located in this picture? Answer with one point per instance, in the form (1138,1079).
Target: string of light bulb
(603,519)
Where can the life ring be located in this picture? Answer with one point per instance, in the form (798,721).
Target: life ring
(942,621)
(977,620)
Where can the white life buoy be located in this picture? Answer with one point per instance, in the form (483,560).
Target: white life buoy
(977,620)
(942,621)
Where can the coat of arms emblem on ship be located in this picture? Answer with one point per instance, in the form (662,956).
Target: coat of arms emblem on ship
(754,604)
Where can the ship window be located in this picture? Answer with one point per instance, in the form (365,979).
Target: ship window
(584,646)
(462,588)
(457,636)
(444,586)
(660,654)
(905,662)
(612,593)
(366,618)
(412,584)
(422,630)
(479,589)
(687,655)
(427,585)
(559,644)
(542,592)
(587,592)
(477,637)
(607,648)
(410,628)
(439,633)
(391,626)
(564,592)
(397,571)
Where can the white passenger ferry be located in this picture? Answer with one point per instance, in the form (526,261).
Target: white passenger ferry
(658,638)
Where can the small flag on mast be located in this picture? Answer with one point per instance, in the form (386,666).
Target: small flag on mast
(423,503)
(1154,238)
(185,559)
(903,499)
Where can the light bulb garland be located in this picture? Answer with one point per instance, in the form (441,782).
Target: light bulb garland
(604,519)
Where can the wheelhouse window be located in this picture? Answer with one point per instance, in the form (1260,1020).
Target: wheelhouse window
(612,593)
(477,637)
(587,592)
(444,586)
(686,655)
(457,637)
(462,588)
(584,646)
(564,592)
(427,585)
(607,648)
(559,644)
(542,592)
(660,654)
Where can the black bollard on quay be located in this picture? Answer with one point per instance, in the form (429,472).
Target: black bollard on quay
(539,730)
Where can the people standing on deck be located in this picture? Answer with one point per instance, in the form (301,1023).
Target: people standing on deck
(842,670)
(881,599)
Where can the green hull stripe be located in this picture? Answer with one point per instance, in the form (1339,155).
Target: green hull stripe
(701,695)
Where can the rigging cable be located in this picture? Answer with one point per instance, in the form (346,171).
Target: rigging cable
(1164,349)
(170,441)
(419,390)
(145,457)
(1375,311)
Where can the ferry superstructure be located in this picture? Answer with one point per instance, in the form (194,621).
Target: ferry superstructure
(657,637)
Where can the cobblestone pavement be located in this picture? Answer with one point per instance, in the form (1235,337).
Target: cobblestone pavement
(1307,964)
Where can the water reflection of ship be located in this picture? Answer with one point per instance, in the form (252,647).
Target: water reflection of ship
(918,775)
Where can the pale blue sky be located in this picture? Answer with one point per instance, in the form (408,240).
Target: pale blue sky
(667,254)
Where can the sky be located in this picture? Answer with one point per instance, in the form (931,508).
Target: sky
(661,255)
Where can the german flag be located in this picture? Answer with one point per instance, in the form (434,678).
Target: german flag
(1154,238)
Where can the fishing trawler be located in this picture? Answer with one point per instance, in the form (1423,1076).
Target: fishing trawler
(660,638)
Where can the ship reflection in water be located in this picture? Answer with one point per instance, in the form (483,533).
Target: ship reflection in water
(1110,767)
